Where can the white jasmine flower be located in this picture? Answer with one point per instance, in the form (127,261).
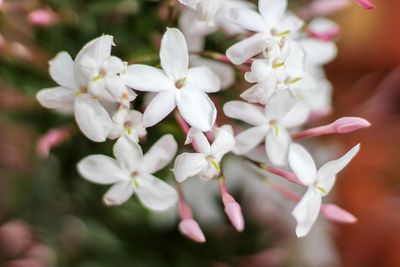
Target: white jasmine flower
(271,21)
(269,125)
(176,84)
(128,122)
(73,93)
(319,183)
(205,163)
(131,172)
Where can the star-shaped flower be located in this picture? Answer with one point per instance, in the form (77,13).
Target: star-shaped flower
(176,84)
(131,172)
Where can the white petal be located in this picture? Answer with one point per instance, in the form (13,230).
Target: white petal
(113,65)
(196,108)
(277,146)
(204,79)
(260,70)
(159,108)
(146,78)
(128,153)
(260,92)
(306,211)
(57,97)
(174,54)
(296,116)
(318,52)
(272,10)
(159,155)
(247,48)
(295,62)
(250,138)
(290,22)
(62,70)
(223,143)
(92,118)
(154,193)
(249,113)
(302,164)
(248,19)
(119,193)
(199,139)
(188,165)
(279,104)
(101,169)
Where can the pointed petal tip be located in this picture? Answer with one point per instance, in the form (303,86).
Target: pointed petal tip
(337,214)
(366,4)
(235,215)
(350,124)
(191,229)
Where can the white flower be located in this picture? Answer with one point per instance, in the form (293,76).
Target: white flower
(269,124)
(131,172)
(271,21)
(205,163)
(73,94)
(128,122)
(176,84)
(319,183)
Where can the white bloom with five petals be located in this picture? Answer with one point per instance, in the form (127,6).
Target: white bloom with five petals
(176,85)
(319,183)
(206,162)
(131,172)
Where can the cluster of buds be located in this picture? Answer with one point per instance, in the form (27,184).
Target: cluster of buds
(282,57)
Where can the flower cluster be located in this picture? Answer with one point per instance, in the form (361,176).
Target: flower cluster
(281,57)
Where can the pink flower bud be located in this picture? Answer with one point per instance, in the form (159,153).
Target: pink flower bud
(51,139)
(337,214)
(191,229)
(323,8)
(41,17)
(350,124)
(325,36)
(365,4)
(234,213)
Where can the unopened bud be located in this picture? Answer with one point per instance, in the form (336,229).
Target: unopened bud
(365,4)
(191,229)
(337,214)
(235,215)
(41,17)
(350,124)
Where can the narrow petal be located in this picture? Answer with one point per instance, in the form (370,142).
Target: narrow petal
(279,104)
(277,146)
(199,139)
(250,138)
(197,109)
(128,153)
(248,19)
(302,164)
(174,54)
(159,155)
(204,79)
(119,193)
(57,97)
(306,211)
(247,48)
(188,165)
(147,78)
(223,143)
(92,118)
(248,113)
(62,70)
(154,193)
(159,108)
(101,169)
(272,10)
(318,52)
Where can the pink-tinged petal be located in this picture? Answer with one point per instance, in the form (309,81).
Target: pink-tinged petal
(235,215)
(119,193)
(154,193)
(365,4)
(350,124)
(196,108)
(192,230)
(174,54)
(188,165)
(102,169)
(56,98)
(159,108)
(337,214)
(159,155)
(248,113)
(323,29)
(204,79)
(302,164)
(306,211)
(250,138)
(147,78)
(92,118)
(247,48)
(323,8)
(61,69)
(128,153)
